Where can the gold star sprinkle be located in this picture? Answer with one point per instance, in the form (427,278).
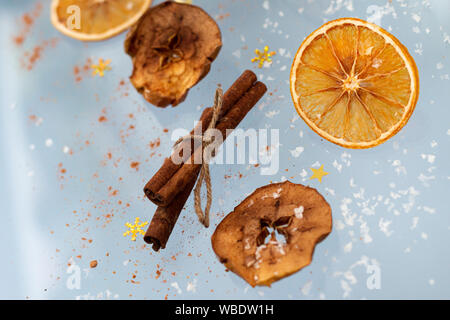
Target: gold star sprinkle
(101,67)
(184,1)
(263,56)
(318,174)
(134,229)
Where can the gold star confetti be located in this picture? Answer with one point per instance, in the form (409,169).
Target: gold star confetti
(101,67)
(318,174)
(134,229)
(263,56)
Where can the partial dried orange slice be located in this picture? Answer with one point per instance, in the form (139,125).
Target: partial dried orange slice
(93,20)
(354,83)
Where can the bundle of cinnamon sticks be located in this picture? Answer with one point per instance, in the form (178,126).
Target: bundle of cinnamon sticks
(172,184)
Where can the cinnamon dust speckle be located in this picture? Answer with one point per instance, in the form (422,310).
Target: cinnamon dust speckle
(223,16)
(76,73)
(135,165)
(35,119)
(155,143)
(81,71)
(26,23)
(61,174)
(29,58)
(113,193)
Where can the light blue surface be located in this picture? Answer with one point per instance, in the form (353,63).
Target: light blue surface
(390,203)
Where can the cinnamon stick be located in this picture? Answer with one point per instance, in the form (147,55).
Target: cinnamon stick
(169,167)
(189,170)
(165,218)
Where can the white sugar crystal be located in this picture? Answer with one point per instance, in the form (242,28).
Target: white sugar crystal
(303,173)
(416,17)
(337,165)
(192,286)
(429,157)
(377,63)
(297,151)
(415,221)
(276,195)
(177,287)
(429,210)
(384,226)
(48,142)
(306,289)
(271,114)
(348,247)
(299,212)
(247,244)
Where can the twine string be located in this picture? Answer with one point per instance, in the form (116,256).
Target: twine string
(204,176)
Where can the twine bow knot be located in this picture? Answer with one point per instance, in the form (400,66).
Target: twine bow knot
(204,176)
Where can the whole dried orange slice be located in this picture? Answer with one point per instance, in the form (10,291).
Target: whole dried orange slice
(354,83)
(93,20)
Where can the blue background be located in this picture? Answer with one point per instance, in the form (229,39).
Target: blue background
(390,203)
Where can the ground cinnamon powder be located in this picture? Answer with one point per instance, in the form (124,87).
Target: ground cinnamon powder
(26,23)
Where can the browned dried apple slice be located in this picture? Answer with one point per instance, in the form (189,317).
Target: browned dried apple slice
(273,232)
(172,47)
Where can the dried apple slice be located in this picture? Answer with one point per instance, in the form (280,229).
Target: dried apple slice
(246,240)
(172,47)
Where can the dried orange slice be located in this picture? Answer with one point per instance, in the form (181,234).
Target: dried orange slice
(354,83)
(93,20)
